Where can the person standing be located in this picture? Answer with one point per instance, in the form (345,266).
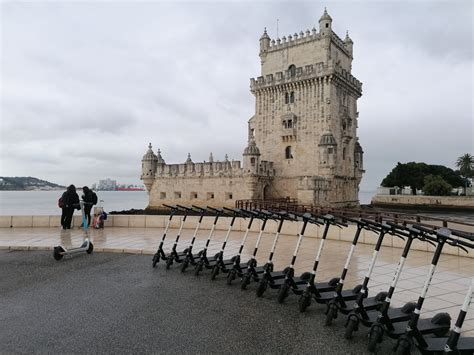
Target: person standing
(70,202)
(90,199)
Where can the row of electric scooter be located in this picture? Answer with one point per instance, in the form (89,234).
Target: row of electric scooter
(429,335)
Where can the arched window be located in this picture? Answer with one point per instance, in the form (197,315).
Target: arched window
(252,161)
(292,70)
(288,154)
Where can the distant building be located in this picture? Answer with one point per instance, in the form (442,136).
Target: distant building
(302,139)
(107,185)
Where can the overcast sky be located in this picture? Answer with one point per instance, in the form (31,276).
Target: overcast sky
(85,86)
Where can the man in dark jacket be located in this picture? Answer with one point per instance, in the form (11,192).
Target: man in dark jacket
(90,199)
(70,202)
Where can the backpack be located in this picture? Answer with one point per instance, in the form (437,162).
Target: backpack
(61,202)
(94,198)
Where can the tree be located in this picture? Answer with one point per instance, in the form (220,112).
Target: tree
(435,185)
(413,174)
(465,164)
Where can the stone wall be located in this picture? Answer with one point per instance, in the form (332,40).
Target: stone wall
(289,228)
(455,202)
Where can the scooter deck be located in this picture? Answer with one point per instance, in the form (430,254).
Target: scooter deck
(436,346)
(301,285)
(325,297)
(424,325)
(370,304)
(394,314)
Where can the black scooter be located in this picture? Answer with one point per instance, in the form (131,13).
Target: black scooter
(311,291)
(160,253)
(394,321)
(413,334)
(454,343)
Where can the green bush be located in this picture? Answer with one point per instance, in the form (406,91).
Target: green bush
(435,185)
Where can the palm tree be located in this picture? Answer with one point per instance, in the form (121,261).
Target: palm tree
(465,163)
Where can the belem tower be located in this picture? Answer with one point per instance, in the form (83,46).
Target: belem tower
(302,139)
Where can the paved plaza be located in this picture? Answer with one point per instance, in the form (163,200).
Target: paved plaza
(446,293)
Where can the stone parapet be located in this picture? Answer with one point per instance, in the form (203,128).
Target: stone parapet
(435,202)
(289,228)
(309,72)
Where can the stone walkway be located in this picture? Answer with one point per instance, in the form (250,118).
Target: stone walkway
(447,291)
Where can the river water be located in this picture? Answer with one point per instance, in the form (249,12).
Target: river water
(37,203)
(15,203)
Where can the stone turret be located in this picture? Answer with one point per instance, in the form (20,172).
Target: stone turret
(251,157)
(348,43)
(264,45)
(328,150)
(325,23)
(149,164)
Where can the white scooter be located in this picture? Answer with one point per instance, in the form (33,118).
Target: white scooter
(87,246)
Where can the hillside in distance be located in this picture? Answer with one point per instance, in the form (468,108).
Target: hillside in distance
(26,183)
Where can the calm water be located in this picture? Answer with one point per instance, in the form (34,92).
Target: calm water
(14,203)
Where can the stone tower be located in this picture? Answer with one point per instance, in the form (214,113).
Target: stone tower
(302,140)
(306,116)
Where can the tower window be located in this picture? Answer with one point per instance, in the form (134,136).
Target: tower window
(210,195)
(288,154)
(252,161)
(327,25)
(292,97)
(287,98)
(193,195)
(343,153)
(292,70)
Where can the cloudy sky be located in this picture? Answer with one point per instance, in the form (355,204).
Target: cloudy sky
(86,85)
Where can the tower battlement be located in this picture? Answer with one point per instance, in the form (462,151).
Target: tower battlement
(308,72)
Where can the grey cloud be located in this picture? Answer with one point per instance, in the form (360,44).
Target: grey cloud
(120,75)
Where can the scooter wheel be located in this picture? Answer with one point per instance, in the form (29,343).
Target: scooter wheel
(90,249)
(350,328)
(403,347)
(442,319)
(197,269)
(57,253)
(215,272)
(330,314)
(230,277)
(375,337)
(184,266)
(262,286)
(333,282)
(156,259)
(304,302)
(245,282)
(169,261)
(283,293)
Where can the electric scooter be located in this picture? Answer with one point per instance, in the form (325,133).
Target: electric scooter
(160,254)
(286,280)
(238,268)
(187,257)
(393,321)
(60,251)
(311,291)
(412,334)
(203,259)
(454,343)
(339,302)
(252,272)
(175,255)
